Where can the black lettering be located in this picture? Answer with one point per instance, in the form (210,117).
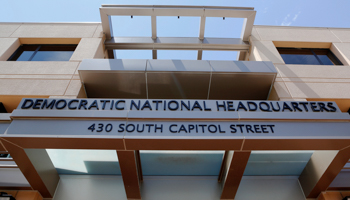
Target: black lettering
(171,127)
(146,105)
(157,102)
(197,105)
(322,107)
(62,106)
(70,104)
(221,131)
(103,103)
(132,128)
(271,127)
(285,106)
(138,126)
(223,105)
(296,107)
(149,127)
(330,105)
(230,106)
(205,107)
(25,106)
(304,105)
(117,103)
(37,103)
(160,128)
(249,128)
(241,106)
(240,127)
(273,108)
(190,127)
(187,106)
(182,128)
(82,104)
(249,103)
(314,107)
(233,129)
(50,105)
(263,128)
(202,125)
(257,128)
(267,109)
(121,128)
(215,128)
(94,104)
(137,106)
(112,104)
(173,108)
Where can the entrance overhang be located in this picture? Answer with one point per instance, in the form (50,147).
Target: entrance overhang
(177,79)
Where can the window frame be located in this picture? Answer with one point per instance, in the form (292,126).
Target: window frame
(37,47)
(316,52)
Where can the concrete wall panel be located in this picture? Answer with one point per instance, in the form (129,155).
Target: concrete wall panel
(342,34)
(281,90)
(296,34)
(32,87)
(314,71)
(7,47)
(73,87)
(99,31)
(37,68)
(6,29)
(342,52)
(87,48)
(55,30)
(265,51)
(318,90)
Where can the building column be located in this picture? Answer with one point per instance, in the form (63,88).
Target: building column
(36,166)
(321,170)
(129,169)
(233,173)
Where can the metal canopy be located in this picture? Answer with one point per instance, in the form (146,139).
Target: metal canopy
(177,79)
(201,43)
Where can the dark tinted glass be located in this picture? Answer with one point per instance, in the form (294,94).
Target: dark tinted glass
(300,59)
(43,53)
(308,56)
(52,56)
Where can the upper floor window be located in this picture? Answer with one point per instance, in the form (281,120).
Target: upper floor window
(43,53)
(308,56)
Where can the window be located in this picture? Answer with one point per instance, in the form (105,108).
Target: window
(308,56)
(43,53)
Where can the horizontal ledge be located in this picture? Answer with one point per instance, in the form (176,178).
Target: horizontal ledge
(179,11)
(193,43)
(174,6)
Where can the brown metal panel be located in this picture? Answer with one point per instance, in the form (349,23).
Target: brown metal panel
(329,175)
(67,143)
(183,144)
(295,144)
(128,167)
(27,168)
(235,174)
(2,148)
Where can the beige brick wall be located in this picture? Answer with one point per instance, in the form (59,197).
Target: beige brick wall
(305,81)
(45,79)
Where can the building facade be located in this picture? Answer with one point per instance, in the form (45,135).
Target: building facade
(78,123)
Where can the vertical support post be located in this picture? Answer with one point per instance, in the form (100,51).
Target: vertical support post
(234,173)
(139,167)
(36,166)
(128,167)
(154,26)
(321,170)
